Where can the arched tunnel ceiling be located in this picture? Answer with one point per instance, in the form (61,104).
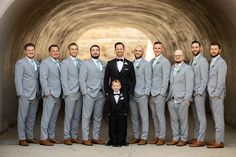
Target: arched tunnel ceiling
(175,25)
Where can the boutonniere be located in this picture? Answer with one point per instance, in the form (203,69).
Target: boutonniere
(178,70)
(125,63)
(137,66)
(194,63)
(212,65)
(157,62)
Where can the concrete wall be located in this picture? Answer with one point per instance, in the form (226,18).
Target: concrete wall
(174,22)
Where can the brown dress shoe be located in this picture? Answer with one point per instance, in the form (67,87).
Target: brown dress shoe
(98,141)
(197,144)
(142,142)
(67,141)
(55,141)
(181,143)
(45,143)
(216,145)
(75,140)
(23,143)
(134,141)
(87,143)
(173,142)
(212,142)
(192,141)
(154,141)
(160,142)
(33,140)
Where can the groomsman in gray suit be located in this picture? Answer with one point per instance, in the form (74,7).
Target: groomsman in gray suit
(27,90)
(91,84)
(217,90)
(70,68)
(179,98)
(159,85)
(139,101)
(51,91)
(200,68)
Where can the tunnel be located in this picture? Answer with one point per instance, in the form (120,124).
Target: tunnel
(176,23)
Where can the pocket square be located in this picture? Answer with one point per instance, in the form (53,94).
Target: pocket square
(121,98)
(126,69)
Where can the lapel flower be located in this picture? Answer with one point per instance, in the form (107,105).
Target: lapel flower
(194,63)
(137,66)
(157,62)
(178,70)
(125,63)
(212,65)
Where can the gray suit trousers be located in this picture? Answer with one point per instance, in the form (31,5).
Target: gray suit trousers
(157,106)
(199,115)
(217,109)
(51,107)
(139,106)
(73,108)
(179,119)
(26,117)
(92,105)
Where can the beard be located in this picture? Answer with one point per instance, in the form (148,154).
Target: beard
(95,56)
(178,62)
(195,54)
(214,55)
(138,57)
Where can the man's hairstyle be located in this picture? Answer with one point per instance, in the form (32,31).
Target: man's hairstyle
(94,46)
(157,42)
(72,44)
(216,43)
(196,42)
(119,43)
(29,45)
(50,47)
(116,81)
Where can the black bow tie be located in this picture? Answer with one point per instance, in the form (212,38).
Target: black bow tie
(116,94)
(119,60)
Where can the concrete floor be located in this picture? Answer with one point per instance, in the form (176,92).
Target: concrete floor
(9,145)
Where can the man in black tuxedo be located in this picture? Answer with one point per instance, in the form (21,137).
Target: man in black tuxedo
(123,70)
(120,69)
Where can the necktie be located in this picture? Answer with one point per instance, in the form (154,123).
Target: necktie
(176,70)
(99,65)
(76,63)
(58,64)
(154,62)
(33,64)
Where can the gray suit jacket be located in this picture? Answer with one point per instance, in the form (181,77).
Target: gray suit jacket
(50,78)
(217,78)
(26,79)
(70,77)
(90,78)
(181,85)
(160,76)
(200,68)
(143,73)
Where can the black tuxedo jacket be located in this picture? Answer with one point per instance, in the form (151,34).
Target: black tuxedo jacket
(126,76)
(119,108)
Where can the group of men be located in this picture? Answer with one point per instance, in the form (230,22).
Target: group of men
(86,84)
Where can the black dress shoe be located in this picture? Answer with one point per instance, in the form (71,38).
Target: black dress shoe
(109,143)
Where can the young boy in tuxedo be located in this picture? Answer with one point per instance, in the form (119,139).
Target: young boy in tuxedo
(118,109)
